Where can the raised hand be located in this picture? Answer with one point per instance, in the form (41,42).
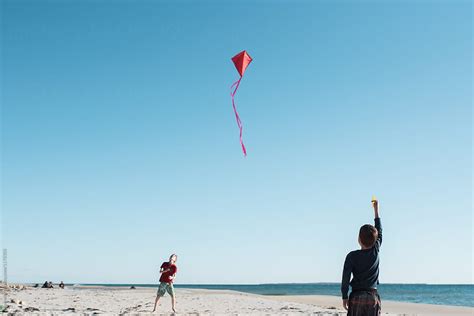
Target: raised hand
(375,205)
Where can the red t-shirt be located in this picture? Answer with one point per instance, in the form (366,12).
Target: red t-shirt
(166,276)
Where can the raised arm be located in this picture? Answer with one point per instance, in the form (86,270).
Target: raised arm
(378,224)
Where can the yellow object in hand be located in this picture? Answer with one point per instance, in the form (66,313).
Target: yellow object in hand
(374,199)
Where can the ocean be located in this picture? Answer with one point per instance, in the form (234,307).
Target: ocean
(456,294)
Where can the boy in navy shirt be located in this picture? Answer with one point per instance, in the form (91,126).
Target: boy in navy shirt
(364,266)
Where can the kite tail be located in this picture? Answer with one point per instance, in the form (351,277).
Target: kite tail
(237,117)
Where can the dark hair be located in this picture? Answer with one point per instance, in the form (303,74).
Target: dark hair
(368,235)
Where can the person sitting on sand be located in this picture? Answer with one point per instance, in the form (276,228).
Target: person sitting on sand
(168,273)
(364,266)
(61,285)
(45,285)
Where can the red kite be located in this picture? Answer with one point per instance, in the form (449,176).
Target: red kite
(241,61)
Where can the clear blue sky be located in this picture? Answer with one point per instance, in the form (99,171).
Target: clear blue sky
(119,144)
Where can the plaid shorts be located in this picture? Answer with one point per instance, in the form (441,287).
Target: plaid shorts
(364,303)
(165,287)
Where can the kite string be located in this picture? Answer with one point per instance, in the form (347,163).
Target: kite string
(237,117)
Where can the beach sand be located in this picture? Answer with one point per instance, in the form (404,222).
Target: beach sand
(100,300)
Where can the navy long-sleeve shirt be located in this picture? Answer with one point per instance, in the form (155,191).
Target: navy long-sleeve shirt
(364,266)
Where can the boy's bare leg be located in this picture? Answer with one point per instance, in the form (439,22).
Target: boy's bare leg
(173,303)
(156,302)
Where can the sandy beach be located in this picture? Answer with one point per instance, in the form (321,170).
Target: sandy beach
(100,300)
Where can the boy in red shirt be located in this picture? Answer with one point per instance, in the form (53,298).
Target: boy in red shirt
(168,273)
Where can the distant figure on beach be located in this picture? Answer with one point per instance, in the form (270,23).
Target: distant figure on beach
(168,272)
(364,266)
(47,285)
(61,285)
